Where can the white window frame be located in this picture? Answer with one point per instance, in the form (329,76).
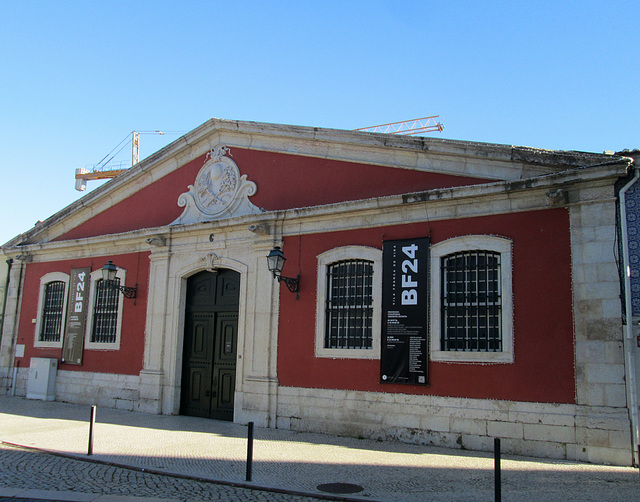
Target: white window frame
(96,275)
(44,280)
(349,253)
(473,243)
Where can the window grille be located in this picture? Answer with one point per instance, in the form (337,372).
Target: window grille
(52,312)
(349,305)
(471,302)
(105,312)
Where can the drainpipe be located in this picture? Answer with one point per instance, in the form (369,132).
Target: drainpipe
(4,298)
(629,351)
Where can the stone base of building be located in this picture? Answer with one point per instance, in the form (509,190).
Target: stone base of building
(557,431)
(102,389)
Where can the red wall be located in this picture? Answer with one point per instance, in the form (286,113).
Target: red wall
(284,181)
(543,320)
(292,181)
(129,359)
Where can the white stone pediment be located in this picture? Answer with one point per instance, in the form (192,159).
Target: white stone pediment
(218,191)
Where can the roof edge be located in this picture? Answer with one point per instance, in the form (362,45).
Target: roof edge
(553,159)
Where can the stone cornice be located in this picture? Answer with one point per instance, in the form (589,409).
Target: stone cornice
(475,200)
(611,170)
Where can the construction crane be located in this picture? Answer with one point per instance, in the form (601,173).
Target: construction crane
(100,171)
(407,127)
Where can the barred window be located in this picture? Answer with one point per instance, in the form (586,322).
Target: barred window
(105,313)
(348,308)
(349,305)
(471,302)
(52,312)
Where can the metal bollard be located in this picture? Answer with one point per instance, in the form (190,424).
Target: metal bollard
(92,423)
(249,451)
(498,477)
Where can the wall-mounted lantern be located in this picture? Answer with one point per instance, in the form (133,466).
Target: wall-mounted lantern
(109,276)
(275,262)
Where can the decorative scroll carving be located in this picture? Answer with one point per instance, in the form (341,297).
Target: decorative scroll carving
(218,191)
(212,260)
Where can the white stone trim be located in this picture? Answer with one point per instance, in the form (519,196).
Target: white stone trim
(44,280)
(349,253)
(471,243)
(88,344)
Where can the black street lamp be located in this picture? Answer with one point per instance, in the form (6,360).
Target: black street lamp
(275,262)
(109,277)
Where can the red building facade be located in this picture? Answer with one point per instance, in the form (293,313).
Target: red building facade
(532,352)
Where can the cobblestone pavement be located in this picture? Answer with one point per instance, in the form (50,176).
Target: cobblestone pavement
(62,478)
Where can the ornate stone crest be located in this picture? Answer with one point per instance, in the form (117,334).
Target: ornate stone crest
(218,191)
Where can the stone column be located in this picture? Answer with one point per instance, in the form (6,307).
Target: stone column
(152,375)
(258,396)
(602,419)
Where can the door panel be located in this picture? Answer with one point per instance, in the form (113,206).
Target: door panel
(224,364)
(201,290)
(197,373)
(227,290)
(210,345)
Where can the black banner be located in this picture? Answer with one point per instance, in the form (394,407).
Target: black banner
(405,310)
(73,344)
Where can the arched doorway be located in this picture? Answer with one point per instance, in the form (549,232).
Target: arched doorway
(210,344)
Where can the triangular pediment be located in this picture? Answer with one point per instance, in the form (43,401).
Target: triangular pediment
(224,169)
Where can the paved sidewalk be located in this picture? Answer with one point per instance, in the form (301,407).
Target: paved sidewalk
(300,462)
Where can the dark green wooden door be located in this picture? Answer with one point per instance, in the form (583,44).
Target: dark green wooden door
(210,345)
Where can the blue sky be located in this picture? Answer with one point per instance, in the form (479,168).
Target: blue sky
(77,77)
